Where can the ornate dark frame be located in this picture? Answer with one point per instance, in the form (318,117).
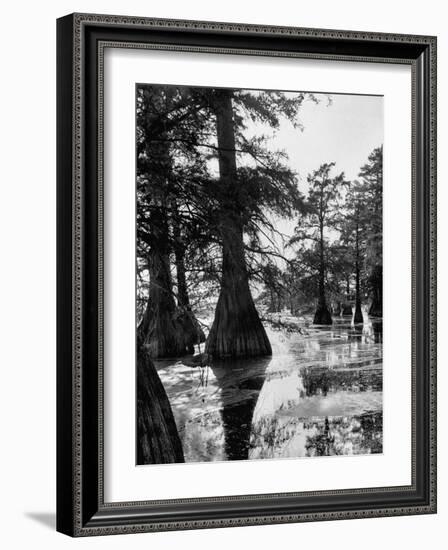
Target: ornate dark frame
(81,39)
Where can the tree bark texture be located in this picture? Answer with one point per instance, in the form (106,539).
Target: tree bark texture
(322,315)
(358,318)
(376,283)
(162,330)
(164,334)
(158,440)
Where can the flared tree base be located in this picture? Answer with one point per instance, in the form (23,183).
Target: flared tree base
(193,334)
(239,343)
(161,333)
(166,338)
(237,332)
(358,318)
(322,316)
(158,441)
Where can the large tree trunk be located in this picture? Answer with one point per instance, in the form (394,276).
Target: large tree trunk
(158,441)
(237,330)
(291,305)
(192,331)
(358,318)
(183,298)
(376,283)
(376,276)
(163,332)
(322,315)
(346,307)
(161,329)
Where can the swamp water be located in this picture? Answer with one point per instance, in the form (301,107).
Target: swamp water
(319,394)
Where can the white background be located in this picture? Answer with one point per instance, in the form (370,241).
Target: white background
(27,285)
(123,481)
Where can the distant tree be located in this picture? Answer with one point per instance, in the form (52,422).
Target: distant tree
(340,271)
(371,177)
(353,235)
(273,284)
(324,197)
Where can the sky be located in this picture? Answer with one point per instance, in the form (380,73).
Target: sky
(340,128)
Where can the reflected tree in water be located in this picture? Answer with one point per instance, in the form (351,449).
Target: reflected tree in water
(239,395)
(341,436)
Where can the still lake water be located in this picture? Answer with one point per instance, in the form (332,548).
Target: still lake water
(319,394)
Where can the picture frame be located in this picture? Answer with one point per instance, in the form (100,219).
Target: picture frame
(81,506)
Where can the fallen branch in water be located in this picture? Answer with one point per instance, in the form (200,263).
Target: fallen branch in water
(285,324)
(197,360)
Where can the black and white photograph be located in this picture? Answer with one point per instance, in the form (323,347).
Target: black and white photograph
(258,274)
(228,214)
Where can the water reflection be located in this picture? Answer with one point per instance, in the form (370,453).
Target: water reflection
(319,394)
(342,436)
(239,385)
